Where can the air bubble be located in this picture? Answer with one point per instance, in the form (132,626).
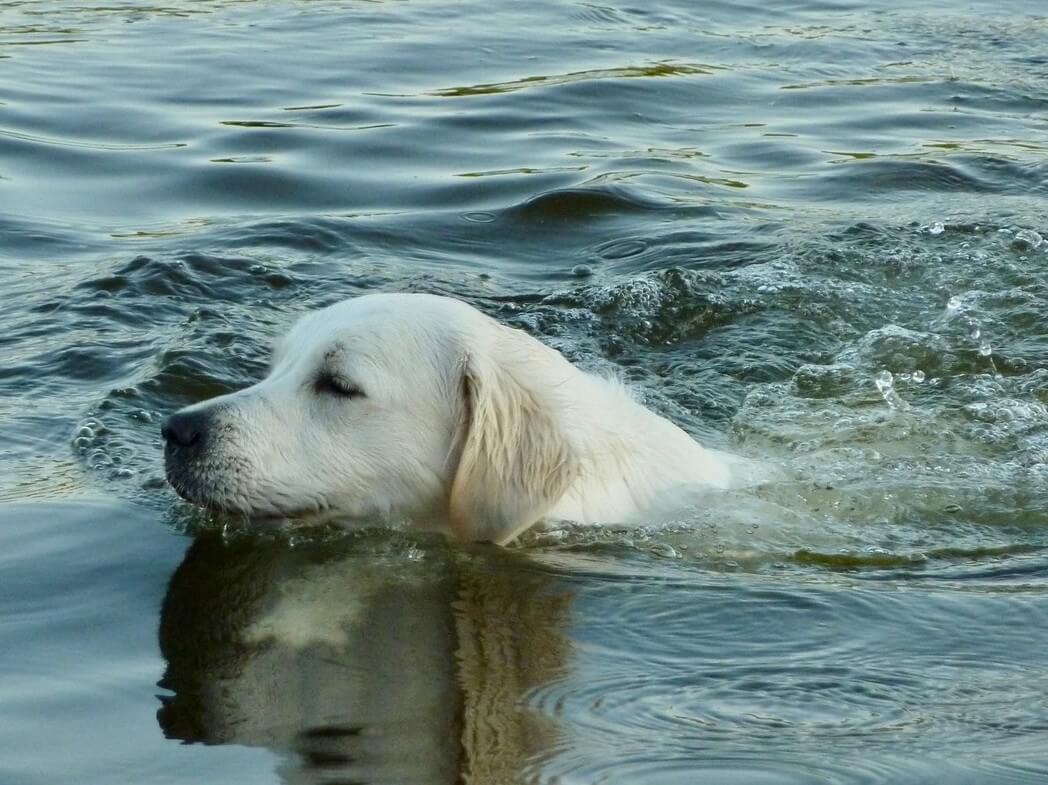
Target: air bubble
(918,376)
(665,550)
(953,303)
(99,460)
(984,348)
(936,228)
(974,331)
(1027,239)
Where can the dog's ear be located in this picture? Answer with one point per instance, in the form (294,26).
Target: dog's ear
(514,463)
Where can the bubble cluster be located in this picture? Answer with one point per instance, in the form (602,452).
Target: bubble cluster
(94,443)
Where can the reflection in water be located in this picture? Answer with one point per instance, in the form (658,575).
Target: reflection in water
(362,667)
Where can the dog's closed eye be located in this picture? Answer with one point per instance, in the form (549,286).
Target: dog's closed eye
(336,386)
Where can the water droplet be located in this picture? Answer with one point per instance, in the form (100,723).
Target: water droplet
(886,386)
(884,381)
(918,376)
(936,228)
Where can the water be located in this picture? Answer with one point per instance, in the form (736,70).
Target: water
(809,232)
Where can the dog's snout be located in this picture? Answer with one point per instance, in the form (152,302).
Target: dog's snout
(185,429)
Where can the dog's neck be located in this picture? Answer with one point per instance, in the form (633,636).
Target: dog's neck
(630,458)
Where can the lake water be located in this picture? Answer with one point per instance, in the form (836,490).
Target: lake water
(808,231)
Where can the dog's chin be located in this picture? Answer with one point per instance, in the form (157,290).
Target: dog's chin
(218,505)
(213,498)
(222,502)
(264,517)
(209,491)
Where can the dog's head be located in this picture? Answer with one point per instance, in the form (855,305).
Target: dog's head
(406,405)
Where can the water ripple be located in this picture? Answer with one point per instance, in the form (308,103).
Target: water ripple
(576,204)
(655,70)
(827,679)
(36,139)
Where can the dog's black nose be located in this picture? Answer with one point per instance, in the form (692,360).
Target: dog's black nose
(185,429)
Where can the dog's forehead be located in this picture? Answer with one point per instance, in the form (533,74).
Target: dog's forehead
(358,323)
(379,330)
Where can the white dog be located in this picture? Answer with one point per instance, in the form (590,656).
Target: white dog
(421,407)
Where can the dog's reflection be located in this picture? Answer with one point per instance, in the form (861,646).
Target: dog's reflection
(407,667)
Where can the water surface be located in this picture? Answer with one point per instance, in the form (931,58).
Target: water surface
(808,232)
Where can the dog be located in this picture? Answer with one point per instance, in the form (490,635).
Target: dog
(419,407)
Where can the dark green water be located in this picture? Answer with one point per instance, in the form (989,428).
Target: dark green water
(809,232)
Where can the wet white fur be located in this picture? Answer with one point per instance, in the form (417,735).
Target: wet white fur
(467,425)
